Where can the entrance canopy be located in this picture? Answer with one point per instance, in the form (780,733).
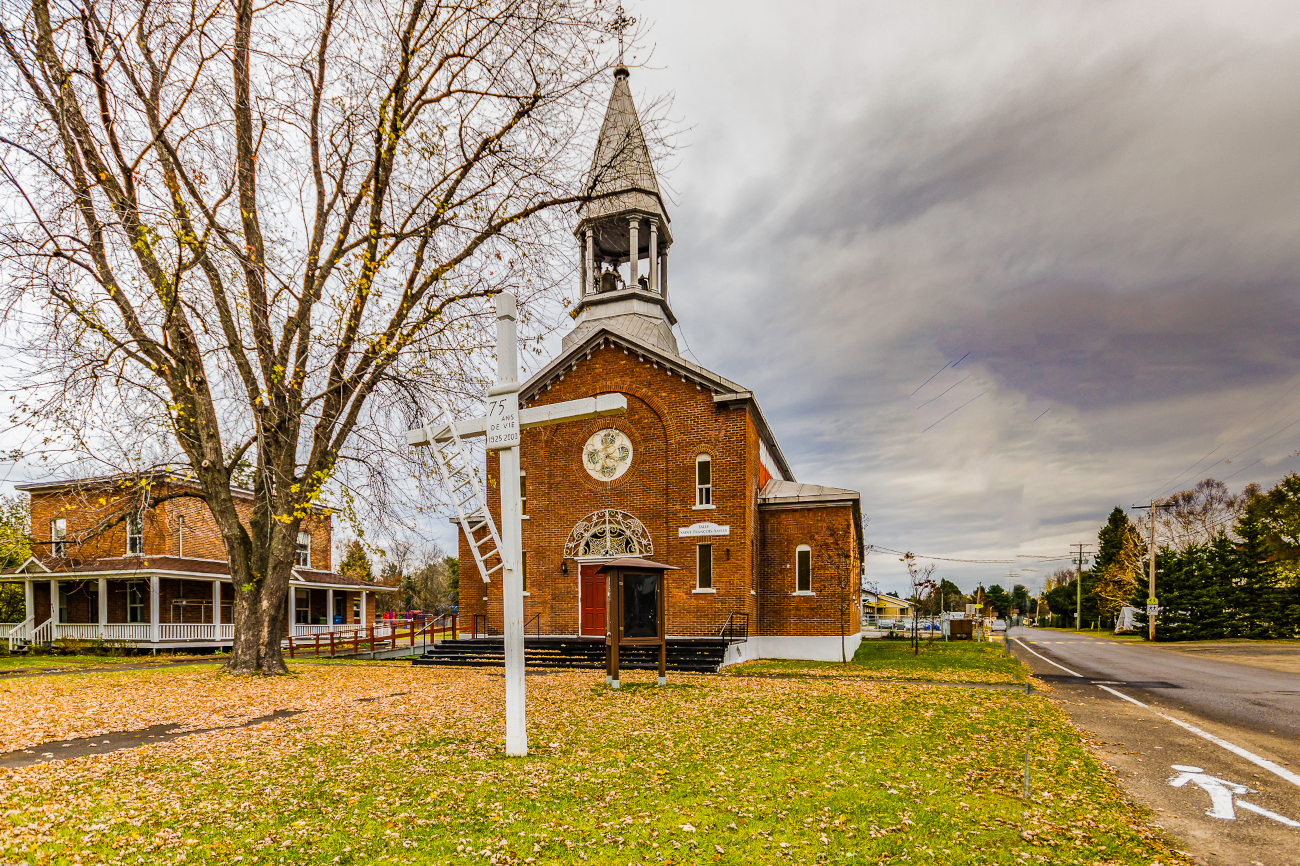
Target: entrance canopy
(630,563)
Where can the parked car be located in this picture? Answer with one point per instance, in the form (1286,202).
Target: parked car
(999,625)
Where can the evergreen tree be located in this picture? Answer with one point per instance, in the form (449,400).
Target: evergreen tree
(356,562)
(1110,540)
(999,599)
(1258,600)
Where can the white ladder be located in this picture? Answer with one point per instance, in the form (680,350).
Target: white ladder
(466,494)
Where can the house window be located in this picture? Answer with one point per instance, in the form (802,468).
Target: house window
(134,533)
(703,480)
(704,566)
(303,557)
(803,569)
(523,495)
(135,601)
(302,608)
(58,537)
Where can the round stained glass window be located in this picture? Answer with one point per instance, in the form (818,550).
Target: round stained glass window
(607,454)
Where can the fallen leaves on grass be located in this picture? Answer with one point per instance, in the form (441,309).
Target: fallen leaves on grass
(717,769)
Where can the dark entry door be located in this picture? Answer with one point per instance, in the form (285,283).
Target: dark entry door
(593,600)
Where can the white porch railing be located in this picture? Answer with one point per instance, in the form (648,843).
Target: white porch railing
(324,629)
(20,632)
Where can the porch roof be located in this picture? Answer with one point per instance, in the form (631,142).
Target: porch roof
(133,567)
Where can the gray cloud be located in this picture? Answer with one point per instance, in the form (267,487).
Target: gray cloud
(1100,206)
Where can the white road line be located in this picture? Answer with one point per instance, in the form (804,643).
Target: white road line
(1251,807)
(1273,768)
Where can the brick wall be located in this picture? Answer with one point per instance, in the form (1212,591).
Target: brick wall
(830,532)
(175,527)
(669,422)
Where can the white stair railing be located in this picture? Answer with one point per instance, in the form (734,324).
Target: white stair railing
(44,633)
(20,633)
(460,480)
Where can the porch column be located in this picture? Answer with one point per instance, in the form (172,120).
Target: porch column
(364,619)
(654,255)
(155,632)
(29,600)
(54,600)
(293,598)
(634,252)
(103,607)
(329,608)
(216,610)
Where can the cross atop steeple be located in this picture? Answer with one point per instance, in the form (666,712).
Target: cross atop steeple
(620,23)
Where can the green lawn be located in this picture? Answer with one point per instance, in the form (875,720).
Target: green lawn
(936,661)
(404,765)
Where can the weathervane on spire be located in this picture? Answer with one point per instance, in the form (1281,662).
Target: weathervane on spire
(620,23)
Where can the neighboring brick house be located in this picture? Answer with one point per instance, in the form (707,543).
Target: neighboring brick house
(690,476)
(116,562)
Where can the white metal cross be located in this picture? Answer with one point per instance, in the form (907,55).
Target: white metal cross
(502,427)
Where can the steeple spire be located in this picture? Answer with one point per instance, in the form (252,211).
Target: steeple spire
(624,223)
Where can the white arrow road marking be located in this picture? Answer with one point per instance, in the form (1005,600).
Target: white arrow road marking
(1273,768)
(1221,791)
(1222,795)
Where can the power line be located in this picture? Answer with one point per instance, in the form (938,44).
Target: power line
(1230,437)
(945,391)
(958,409)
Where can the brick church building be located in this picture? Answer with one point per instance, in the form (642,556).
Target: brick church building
(691,476)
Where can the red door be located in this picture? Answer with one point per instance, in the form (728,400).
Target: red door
(592,604)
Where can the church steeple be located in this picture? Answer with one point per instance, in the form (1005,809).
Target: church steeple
(624,223)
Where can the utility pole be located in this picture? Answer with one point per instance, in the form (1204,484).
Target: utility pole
(1152,602)
(1078,588)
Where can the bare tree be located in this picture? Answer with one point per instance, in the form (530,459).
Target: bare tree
(923,584)
(256,240)
(1195,516)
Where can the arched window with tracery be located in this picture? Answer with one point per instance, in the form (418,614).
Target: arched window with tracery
(607,534)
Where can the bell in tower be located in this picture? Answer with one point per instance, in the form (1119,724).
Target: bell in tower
(624,222)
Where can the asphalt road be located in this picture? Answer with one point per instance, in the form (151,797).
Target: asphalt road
(1212,748)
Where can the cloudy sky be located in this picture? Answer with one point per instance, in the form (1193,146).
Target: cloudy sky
(1094,204)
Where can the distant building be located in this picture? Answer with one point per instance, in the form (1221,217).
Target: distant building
(107,567)
(692,476)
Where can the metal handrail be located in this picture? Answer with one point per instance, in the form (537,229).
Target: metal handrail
(537,618)
(732,626)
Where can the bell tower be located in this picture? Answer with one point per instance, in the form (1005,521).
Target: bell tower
(624,223)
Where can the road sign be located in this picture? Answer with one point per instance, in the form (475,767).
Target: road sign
(1151,599)
(503,421)
(1153,609)
(501,426)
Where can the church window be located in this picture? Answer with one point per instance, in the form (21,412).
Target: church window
(523,494)
(703,480)
(523,568)
(704,566)
(608,534)
(302,554)
(58,537)
(803,569)
(134,533)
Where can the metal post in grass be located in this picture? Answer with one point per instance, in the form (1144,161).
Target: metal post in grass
(1025,797)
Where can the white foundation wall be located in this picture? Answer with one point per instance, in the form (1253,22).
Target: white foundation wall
(820,648)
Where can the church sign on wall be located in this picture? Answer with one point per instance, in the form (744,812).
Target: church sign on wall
(702,530)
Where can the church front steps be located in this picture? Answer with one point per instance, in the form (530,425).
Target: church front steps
(695,655)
